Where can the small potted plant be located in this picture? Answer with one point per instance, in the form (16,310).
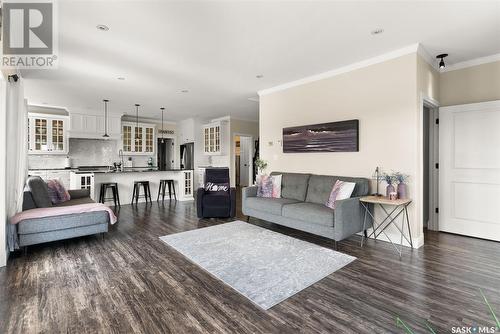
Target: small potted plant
(389,179)
(261,165)
(401,179)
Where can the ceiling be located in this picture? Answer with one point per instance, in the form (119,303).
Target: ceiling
(215,50)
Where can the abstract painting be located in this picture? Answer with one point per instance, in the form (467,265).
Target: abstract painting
(327,137)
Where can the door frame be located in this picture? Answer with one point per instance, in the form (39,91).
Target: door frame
(250,165)
(432,104)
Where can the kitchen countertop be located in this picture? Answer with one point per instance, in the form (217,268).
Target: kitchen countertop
(131,171)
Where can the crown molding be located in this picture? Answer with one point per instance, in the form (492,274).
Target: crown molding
(422,52)
(472,62)
(413,48)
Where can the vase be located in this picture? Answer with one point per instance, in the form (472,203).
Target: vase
(388,190)
(402,190)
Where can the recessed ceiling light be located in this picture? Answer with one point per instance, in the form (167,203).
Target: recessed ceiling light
(184,91)
(377,31)
(102,27)
(259,76)
(121,78)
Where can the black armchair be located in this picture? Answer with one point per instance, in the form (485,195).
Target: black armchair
(217,199)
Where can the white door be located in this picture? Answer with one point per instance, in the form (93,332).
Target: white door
(245,160)
(469,170)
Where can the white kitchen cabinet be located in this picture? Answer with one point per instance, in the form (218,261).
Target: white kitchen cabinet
(213,138)
(93,126)
(83,181)
(138,138)
(47,134)
(186,185)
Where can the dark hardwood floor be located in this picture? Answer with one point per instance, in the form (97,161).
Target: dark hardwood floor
(131,282)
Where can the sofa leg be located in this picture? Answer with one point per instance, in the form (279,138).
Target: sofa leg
(366,233)
(25,250)
(335,245)
(248,219)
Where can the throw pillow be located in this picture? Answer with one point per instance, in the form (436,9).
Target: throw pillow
(264,186)
(57,192)
(216,188)
(276,186)
(341,190)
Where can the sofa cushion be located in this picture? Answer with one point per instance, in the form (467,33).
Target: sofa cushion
(269,205)
(293,185)
(39,192)
(76,201)
(319,189)
(310,213)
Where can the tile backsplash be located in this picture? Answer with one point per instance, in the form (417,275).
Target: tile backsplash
(86,152)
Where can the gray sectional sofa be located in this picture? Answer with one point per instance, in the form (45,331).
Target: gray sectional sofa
(302,205)
(39,230)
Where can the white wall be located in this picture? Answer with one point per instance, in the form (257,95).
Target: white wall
(3,153)
(383,97)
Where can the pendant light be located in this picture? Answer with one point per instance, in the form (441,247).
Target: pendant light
(162,131)
(105,118)
(137,120)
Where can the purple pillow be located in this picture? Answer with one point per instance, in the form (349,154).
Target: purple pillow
(57,192)
(264,186)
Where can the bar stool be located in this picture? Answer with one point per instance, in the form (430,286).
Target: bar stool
(114,188)
(137,188)
(163,185)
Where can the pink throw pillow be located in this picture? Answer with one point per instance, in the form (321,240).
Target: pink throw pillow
(341,190)
(57,192)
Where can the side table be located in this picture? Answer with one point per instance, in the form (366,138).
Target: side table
(390,207)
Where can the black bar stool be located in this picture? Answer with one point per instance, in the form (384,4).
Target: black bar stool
(136,193)
(114,188)
(163,185)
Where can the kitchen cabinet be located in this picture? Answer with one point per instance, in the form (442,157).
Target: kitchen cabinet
(138,138)
(93,126)
(213,138)
(83,181)
(47,134)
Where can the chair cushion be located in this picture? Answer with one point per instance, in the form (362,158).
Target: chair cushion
(294,185)
(216,200)
(310,213)
(39,192)
(269,205)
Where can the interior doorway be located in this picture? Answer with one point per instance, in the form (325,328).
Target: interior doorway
(430,166)
(243,160)
(166,153)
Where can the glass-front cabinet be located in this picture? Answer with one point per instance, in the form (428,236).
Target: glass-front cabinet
(212,135)
(138,139)
(47,134)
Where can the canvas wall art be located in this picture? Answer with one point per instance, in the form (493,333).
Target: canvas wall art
(327,137)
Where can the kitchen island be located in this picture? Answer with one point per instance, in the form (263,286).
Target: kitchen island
(183,180)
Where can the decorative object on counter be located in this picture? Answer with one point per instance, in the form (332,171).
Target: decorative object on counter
(393,196)
(389,179)
(162,130)
(402,188)
(150,162)
(67,162)
(137,136)
(129,163)
(326,137)
(377,177)
(261,165)
(162,188)
(105,118)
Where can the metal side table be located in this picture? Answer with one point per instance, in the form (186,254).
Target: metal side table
(390,207)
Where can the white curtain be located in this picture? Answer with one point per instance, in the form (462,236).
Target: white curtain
(17,147)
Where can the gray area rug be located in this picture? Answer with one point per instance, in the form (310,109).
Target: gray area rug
(265,266)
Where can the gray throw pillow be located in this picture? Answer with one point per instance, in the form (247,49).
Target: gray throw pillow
(39,192)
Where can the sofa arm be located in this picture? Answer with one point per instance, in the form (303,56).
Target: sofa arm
(199,202)
(79,193)
(247,192)
(349,215)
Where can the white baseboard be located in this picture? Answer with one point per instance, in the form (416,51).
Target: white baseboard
(396,239)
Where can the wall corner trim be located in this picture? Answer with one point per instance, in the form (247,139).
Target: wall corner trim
(413,48)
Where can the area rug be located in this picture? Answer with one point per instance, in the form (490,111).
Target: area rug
(264,266)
